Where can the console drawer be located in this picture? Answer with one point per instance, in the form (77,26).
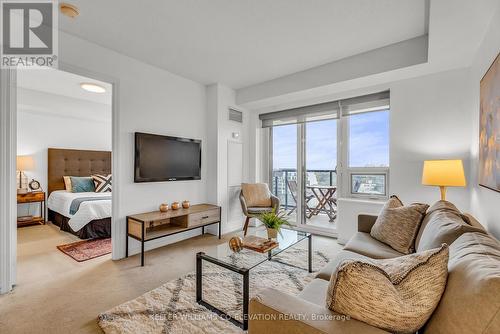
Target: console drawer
(201,218)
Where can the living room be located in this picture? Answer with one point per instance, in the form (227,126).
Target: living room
(271,103)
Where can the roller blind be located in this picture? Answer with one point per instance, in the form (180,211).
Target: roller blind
(327,110)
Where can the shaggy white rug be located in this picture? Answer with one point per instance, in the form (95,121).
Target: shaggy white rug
(172,308)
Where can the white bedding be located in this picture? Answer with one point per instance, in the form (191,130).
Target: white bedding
(60,202)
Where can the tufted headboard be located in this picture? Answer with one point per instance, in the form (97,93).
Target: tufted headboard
(63,162)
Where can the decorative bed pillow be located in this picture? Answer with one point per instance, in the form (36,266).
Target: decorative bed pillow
(397,295)
(102,183)
(67,183)
(256,194)
(82,184)
(397,225)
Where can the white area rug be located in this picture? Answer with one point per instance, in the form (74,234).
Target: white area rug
(172,307)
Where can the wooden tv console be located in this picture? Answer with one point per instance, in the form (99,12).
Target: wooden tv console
(149,226)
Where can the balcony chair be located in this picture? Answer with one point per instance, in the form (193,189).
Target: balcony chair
(256,199)
(292,185)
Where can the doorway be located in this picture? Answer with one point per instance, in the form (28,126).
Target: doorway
(9,180)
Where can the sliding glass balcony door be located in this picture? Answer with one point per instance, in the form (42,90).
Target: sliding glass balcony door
(320,173)
(304,171)
(284,168)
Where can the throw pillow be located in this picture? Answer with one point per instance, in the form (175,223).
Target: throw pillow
(102,183)
(67,183)
(397,295)
(397,225)
(256,194)
(82,184)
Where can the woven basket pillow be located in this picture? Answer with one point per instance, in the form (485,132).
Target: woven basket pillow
(397,295)
(397,225)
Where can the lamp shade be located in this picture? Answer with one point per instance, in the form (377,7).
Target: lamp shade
(25,162)
(446,173)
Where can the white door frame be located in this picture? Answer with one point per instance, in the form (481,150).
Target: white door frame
(8,152)
(8,205)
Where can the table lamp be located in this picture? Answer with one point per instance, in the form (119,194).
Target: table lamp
(24,163)
(443,173)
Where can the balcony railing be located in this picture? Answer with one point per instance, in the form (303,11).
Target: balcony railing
(323,177)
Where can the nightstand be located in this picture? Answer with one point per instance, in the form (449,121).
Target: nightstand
(33,197)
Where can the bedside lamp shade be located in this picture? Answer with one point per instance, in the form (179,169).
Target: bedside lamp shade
(25,162)
(443,173)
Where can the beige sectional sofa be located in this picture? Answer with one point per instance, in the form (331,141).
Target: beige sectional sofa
(470,303)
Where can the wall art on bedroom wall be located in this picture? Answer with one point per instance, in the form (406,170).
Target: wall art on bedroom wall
(489,128)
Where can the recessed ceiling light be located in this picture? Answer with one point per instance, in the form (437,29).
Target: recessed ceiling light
(69,10)
(92,87)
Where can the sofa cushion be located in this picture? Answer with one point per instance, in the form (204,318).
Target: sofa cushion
(397,225)
(471,301)
(315,291)
(364,244)
(443,223)
(326,272)
(258,210)
(397,295)
(256,194)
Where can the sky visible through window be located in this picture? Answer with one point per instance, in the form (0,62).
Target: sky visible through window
(368,137)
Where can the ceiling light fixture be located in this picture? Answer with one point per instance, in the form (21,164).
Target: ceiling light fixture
(92,87)
(69,10)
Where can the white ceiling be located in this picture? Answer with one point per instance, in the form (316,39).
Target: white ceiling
(241,43)
(62,83)
(58,93)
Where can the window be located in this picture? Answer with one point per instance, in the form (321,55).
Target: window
(327,150)
(369,139)
(368,153)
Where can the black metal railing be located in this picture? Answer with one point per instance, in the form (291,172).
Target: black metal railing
(281,177)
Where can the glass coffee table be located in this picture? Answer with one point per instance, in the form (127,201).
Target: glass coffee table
(243,262)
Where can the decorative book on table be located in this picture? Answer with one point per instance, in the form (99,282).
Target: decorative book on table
(259,244)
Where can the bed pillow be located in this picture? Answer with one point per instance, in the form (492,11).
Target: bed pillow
(397,225)
(397,295)
(102,183)
(82,184)
(67,183)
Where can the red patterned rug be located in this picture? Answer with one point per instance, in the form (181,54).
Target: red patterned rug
(87,249)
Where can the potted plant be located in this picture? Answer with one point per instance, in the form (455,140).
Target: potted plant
(273,222)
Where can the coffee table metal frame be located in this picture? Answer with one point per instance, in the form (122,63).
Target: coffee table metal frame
(245,272)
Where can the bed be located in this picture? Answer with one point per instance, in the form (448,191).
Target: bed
(86,215)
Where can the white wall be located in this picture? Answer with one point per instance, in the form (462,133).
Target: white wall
(429,120)
(485,203)
(221,129)
(149,100)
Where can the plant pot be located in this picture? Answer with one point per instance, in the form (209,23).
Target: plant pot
(272,233)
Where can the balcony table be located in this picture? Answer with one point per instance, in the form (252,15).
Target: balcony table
(325,197)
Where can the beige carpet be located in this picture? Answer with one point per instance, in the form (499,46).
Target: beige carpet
(172,307)
(55,294)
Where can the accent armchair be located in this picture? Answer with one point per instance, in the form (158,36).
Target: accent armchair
(256,199)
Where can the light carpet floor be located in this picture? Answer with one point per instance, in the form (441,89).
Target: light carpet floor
(172,307)
(55,294)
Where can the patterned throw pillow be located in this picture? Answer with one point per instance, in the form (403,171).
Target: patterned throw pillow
(397,295)
(397,225)
(81,184)
(102,183)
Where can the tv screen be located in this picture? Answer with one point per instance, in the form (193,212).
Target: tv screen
(164,158)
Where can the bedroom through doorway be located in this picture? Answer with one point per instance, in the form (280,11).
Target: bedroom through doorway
(64,172)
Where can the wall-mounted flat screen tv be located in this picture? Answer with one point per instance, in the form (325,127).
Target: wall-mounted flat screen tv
(164,158)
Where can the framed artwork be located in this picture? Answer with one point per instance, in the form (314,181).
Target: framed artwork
(489,128)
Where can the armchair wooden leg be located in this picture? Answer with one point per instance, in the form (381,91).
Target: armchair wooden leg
(245,227)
